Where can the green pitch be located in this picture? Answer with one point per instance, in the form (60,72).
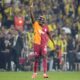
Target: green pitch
(52,76)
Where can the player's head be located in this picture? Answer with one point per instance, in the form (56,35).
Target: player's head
(41,20)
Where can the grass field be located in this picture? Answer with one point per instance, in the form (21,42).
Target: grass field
(52,76)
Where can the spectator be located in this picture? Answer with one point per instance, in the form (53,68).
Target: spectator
(17,48)
(78,54)
(28,23)
(74,30)
(7,22)
(2,61)
(71,53)
(19,21)
(7,52)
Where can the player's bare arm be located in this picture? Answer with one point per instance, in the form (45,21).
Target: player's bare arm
(31,13)
(50,37)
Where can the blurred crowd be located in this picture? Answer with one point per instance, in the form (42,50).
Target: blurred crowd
(16,34)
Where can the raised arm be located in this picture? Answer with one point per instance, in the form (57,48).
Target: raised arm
(31,13)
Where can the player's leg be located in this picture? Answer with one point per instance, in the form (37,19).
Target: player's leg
(44,54)
(36,53)
(45,66)
(35,69)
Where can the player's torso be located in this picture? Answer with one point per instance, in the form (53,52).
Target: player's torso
(37,34)
(44,37)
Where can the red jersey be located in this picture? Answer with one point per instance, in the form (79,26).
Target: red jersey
(19,23)
(44,36)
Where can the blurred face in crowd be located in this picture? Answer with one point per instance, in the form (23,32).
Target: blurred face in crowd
(9,35)
(69,37)
(4,31)
(14,33)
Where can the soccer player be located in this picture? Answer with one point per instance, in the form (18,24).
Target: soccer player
(41,36)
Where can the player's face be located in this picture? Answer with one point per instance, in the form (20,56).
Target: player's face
(41,22)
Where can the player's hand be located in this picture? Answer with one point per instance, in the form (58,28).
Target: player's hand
(31,4)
